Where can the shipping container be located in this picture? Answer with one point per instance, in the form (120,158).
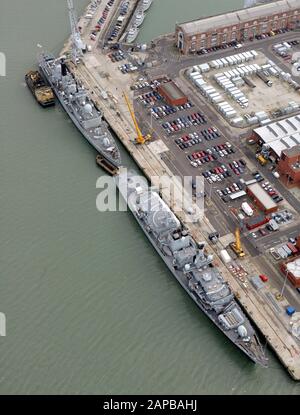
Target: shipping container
(292,248)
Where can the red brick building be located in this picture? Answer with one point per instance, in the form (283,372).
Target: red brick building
(289,166)
(261,198)
(237,26)
(172,93)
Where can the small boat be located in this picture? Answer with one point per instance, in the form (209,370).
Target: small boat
(132,34)
(42,92)
(139,18)
(106,165)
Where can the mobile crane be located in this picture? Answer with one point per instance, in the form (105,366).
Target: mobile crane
(236,246)
(140,139)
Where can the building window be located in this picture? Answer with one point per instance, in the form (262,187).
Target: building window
(214,39)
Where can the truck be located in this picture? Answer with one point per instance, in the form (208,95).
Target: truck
(247,209)
(226,258)
(272,225)
(261,159)
(264,78)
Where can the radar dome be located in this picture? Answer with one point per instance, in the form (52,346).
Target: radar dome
(207,277)
(242,331)
(106,142)
(88,109)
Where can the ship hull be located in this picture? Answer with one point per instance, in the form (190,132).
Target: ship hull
(146,6)
(131,38)
(139,22)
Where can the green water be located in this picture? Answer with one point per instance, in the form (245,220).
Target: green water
(90,307)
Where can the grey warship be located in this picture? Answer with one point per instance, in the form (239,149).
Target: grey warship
(75,100)
(81,109)
(191,265)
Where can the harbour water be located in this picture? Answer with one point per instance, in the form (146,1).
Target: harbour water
(90,307)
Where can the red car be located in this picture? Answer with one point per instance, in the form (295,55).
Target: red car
(263,232)
(264,278)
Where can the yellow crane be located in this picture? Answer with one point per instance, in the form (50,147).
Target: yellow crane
(140,139)
(236,246)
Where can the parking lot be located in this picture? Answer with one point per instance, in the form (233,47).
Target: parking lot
(200,148)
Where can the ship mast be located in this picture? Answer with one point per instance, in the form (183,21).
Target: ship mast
(77,44)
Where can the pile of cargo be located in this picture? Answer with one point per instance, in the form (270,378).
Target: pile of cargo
(292,270)
(233,60)
(270,68)
(227,110)
(205,88)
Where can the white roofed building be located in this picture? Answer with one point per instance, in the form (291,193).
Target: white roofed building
(279,136)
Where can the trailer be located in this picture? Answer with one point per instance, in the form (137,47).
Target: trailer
(237,195)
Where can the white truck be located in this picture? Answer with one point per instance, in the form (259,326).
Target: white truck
(226,258)
(247,209)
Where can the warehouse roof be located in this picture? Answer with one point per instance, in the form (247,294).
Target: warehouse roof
(237,17)
(262,196)
(172,90)
(281,135)
(293,152)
